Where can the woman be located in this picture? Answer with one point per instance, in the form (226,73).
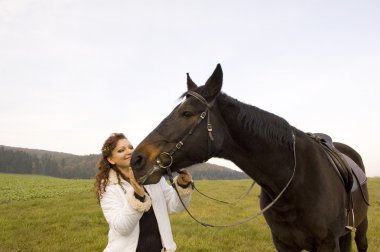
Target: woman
(137,215)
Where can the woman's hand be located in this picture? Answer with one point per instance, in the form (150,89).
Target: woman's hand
(139,189)
(184,178)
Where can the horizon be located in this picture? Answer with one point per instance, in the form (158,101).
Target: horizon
(224,163)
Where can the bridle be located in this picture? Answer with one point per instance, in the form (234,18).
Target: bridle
(179,145)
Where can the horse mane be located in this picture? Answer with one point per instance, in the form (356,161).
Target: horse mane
(260,122)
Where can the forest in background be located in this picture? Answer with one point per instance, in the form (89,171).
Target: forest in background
(64,165)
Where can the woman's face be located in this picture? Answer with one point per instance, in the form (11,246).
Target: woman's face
(121,155)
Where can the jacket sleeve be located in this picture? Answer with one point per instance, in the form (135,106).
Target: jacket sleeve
(122,217)
(172,200)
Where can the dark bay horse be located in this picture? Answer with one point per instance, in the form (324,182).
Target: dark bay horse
(311,214)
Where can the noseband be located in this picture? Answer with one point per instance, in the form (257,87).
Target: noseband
(178,146)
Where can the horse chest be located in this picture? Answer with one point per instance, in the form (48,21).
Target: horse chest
(290,229)
(298,228)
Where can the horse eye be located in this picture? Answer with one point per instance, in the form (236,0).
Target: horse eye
(187,114)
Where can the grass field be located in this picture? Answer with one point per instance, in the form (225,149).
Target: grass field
(40,213)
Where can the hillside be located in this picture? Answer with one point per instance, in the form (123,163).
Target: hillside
(65,165)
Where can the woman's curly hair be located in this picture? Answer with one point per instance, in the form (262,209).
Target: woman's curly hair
(104,167)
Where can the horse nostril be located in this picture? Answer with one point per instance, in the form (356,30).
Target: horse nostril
(137,161)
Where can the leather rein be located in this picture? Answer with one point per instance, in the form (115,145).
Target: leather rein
(179,145)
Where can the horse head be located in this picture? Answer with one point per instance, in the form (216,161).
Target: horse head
(190,134)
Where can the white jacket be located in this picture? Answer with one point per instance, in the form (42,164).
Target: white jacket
(123,212)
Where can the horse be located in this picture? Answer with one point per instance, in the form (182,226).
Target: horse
(311,214)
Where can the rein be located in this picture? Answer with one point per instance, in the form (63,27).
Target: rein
(209,129)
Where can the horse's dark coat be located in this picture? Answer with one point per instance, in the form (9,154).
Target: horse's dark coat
(311,214)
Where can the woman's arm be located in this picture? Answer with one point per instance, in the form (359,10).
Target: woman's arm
(172,200)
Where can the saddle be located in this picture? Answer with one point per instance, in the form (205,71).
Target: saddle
(351,175)
(348,171)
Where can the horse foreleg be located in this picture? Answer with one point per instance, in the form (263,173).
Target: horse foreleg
(345,243)
(329,245)
(361,236)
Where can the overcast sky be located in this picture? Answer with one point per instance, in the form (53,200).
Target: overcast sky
(74,71)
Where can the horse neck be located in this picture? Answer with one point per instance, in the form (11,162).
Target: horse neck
(261,142)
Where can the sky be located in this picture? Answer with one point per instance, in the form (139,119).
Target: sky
(74,71)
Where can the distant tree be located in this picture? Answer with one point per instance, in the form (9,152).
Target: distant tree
(57,164)
(15,161)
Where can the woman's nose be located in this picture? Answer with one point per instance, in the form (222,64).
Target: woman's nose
(129,151)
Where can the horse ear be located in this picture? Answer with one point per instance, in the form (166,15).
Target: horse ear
(190,83)
(214,83)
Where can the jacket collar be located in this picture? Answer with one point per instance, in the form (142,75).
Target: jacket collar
(112,177)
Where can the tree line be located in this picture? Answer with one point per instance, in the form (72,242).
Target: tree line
(64,165)
(31,161)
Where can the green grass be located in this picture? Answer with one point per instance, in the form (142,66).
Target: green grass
(39,213)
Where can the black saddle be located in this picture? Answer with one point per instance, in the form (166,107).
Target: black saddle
(348,171)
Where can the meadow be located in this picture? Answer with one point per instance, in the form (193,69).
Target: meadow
(39,213)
